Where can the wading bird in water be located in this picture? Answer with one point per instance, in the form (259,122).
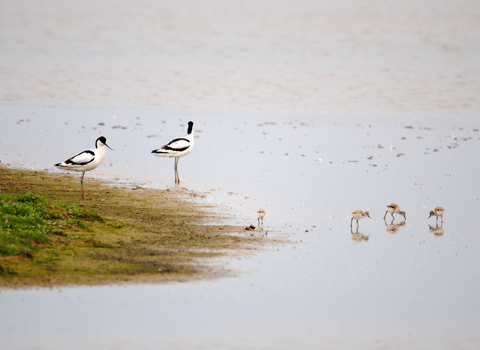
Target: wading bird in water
(87,160)
(438,211)
(358,215)
(177,148)
(395,209)
(261,214)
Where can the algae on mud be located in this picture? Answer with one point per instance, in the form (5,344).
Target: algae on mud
(116,235)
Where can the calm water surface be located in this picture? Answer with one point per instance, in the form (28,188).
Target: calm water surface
(403,286)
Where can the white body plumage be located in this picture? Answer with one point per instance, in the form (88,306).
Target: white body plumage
(178,147)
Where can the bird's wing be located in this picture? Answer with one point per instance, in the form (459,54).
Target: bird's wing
(82,158)
(177,145)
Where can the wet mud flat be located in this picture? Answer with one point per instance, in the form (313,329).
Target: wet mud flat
(49,236)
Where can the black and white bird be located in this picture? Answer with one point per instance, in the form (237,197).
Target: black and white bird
(87,160)
(177,148)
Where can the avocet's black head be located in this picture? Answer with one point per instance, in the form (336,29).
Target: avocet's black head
(190,128)
(102,140)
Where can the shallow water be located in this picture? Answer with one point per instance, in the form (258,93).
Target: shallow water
(309,172)
(308,111)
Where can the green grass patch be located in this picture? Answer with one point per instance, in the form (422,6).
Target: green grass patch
(27,220)
(79,212)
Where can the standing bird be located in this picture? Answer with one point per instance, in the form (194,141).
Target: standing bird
(395,209)
(357,215)
(87,160)
(438,211)
(261,214)
(177,148)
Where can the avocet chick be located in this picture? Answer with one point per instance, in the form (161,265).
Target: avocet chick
(395,209)
(438,211)
(358,214)
(261,214)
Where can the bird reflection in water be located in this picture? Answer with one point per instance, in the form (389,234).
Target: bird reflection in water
(394,228)
(437,230)
(358,236)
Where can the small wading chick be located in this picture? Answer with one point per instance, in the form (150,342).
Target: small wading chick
(395,209)
(358,215)
(438,211)
(87,160)
(261,214)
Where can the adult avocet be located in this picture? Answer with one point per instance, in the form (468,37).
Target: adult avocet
(358,215)
(177,148)
(87,160)
(438,211)
(395,209)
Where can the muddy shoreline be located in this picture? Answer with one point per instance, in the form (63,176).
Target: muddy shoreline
(144,235)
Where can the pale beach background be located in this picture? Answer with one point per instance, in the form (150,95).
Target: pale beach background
(308,109)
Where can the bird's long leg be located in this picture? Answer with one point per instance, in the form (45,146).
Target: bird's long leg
(175,170)
(393,217)
(385,215)
(177,178)
(351,221)
(442,219)
(358,225)
(81,181)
